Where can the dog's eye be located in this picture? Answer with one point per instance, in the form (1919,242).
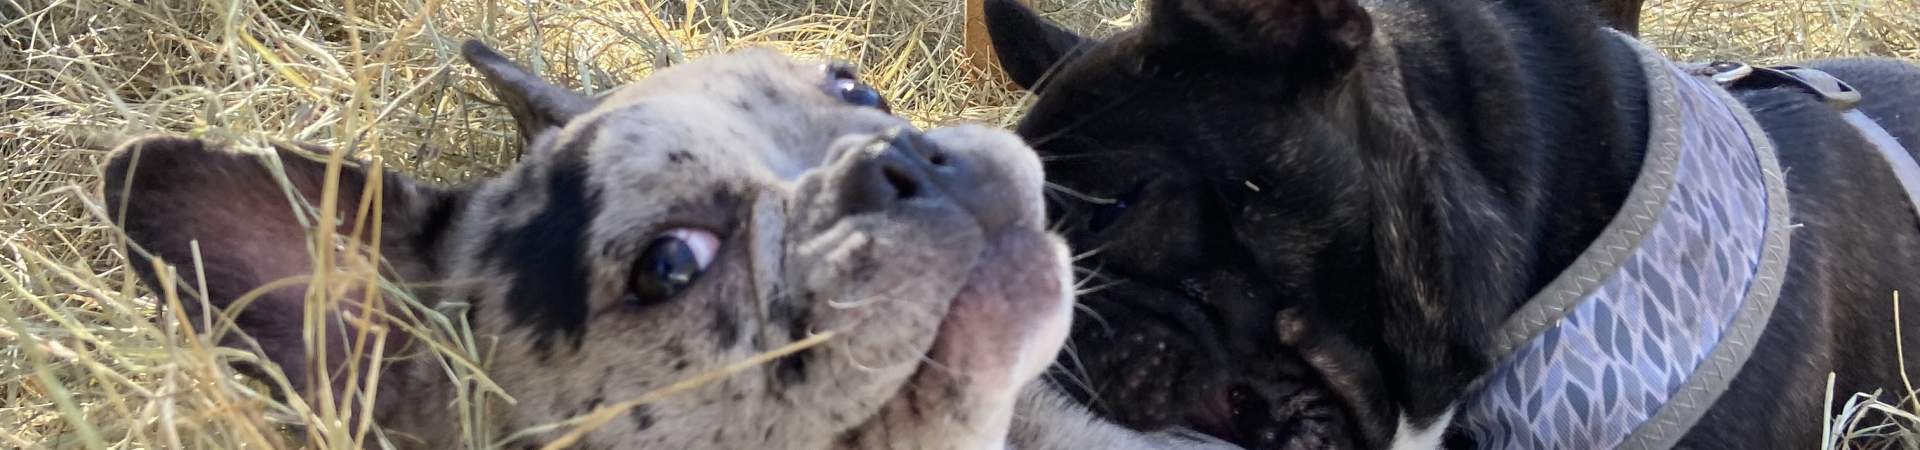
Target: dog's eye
(1106,214)
(670,263)
(846,85)
(860,94)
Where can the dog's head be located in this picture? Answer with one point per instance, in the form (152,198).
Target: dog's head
(715,211)
(1276,244)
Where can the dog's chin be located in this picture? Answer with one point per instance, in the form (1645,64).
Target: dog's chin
(1007,323)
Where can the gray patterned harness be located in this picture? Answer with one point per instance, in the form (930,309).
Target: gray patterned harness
(1632,343)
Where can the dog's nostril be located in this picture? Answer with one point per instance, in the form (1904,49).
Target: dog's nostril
(1241,400)
(905,185)
(884,176)
(914,143)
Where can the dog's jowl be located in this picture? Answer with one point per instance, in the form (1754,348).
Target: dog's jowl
(1417,223)
(715,211)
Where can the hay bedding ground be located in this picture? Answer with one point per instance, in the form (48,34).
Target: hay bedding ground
(84,363)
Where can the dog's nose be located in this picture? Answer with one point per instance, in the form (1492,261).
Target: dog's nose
(890,172)
(985,172)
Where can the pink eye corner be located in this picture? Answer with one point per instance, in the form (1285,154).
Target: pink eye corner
(701,243)
(670,264)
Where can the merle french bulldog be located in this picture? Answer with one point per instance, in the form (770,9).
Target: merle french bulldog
(714,211)
(1309,222)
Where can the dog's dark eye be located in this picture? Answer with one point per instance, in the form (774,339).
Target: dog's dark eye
(860,94)
(670,263)
(1106,214)
(846,85)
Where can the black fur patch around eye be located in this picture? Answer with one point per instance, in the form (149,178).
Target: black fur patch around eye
(546,256)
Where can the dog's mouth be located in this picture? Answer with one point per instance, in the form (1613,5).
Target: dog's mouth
(1158,364)
(1270,415)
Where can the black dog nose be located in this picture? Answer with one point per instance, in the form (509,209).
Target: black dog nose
(893,170)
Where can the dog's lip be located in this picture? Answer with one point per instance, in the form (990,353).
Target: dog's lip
(1270,404)
(1010,316)
(1237,412)
(1213,414)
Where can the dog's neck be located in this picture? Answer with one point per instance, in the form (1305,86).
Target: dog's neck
(1555,139)
(417,404)
(1497,150)
(1600,113)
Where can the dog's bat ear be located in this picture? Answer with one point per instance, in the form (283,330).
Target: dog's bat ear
(1323,37)
(242,227)
(1029,47)
(537,106)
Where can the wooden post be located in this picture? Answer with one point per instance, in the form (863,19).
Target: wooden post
(979,46)
(1623,15)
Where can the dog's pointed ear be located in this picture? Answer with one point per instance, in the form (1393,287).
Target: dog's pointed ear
(1297,36)
(537,106)
(1028,46)
(236,223)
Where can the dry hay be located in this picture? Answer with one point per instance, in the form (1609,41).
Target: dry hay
(85,363)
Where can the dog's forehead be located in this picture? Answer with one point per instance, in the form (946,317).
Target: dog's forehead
(750,71)
(750,103)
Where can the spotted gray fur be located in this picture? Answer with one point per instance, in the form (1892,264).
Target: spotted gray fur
(942,313)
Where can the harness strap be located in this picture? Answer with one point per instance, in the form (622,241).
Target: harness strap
(1737,76)
(1631,344)
(1740,77)
(1902,162)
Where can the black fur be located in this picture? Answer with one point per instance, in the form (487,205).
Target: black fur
(1272,219)
(1855,244)
(792,369)
(642,416)
(1057,42)
(545,256)
(439,223)
(725,327)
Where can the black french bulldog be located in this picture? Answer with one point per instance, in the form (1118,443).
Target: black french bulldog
(1275,264)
